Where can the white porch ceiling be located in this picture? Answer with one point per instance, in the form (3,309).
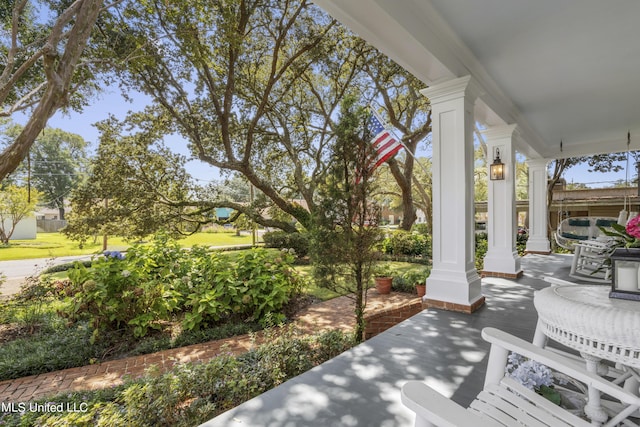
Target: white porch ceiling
(561,69)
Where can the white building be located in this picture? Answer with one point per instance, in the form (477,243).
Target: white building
(25,229)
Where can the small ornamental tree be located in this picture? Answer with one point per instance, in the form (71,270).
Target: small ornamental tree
(346,230)
(15,205)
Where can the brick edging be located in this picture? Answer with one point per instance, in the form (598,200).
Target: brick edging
(450,306)
(382,320)
(517,275)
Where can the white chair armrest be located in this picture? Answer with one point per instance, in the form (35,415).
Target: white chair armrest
(597,245)
(432,408)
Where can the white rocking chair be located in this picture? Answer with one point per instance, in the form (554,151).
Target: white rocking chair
(505,402)
(591,260)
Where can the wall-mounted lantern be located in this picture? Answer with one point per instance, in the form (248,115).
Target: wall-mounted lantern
(496,170)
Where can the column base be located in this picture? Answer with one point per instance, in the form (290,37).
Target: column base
(538,245)
(504,263)
(450,306)
(516,275)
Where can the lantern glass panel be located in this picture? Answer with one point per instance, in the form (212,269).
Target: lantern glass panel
(497,171)
(626,274)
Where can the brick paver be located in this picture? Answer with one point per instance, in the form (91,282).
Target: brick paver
(333,314)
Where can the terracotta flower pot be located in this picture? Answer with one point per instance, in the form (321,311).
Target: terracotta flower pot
(383,284)
(421,289)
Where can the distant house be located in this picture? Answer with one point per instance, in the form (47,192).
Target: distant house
(26,229)
(601,202)
(47,214)
(48,220)
(223,213)
(394,216)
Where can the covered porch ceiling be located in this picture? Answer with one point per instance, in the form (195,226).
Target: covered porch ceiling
(561,70)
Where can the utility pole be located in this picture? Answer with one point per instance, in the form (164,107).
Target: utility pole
(29,176)
(253,224)
(104,237)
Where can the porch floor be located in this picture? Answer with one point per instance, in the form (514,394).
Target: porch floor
(361,387)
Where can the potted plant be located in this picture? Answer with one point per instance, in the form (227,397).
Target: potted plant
(383,278)
(418,279)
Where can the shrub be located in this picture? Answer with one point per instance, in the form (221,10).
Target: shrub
(407,243)
(407,282)
(191,394)
(421,228)
(383,270)
(259,284)
(401,284)
(132,293)
(482,245)
(66,266)
(49,351)
(156,281)
(299,242)
(59,347)
(521,243)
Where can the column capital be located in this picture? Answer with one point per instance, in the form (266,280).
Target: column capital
(500,132)
(540,163)
(452,89)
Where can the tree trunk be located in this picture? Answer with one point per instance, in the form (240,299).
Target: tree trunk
(360,306)
(59,69)
(403,180)
(408,211)
(559,168)
(298,212)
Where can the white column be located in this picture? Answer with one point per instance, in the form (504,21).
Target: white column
(538,211)
(454,282)
(502,256)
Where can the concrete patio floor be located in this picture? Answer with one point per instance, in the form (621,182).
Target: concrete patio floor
(361,387)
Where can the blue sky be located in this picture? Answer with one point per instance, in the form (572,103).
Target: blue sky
(110,101)
(580,174)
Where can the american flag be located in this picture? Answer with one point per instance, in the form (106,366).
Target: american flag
(384,144)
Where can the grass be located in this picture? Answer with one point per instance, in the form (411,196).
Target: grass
(216,239)
(49,245)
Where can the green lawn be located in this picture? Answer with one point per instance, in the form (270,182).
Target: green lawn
(48,245)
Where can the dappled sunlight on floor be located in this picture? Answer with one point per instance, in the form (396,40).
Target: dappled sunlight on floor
(557,265)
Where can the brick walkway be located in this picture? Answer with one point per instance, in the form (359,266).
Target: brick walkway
(333,314)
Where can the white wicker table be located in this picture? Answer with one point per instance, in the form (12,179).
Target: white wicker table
(584,318)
